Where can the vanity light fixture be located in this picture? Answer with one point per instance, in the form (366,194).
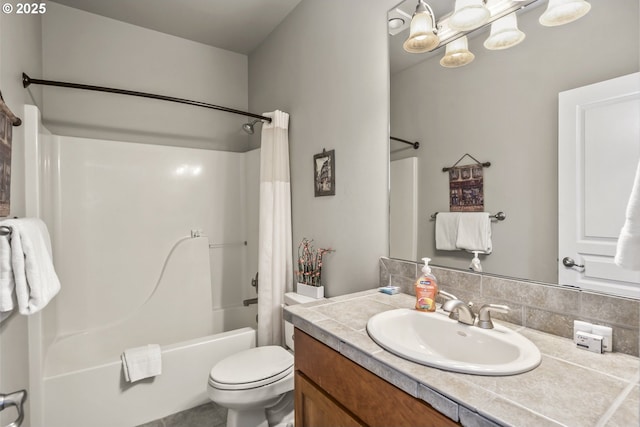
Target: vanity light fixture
(457,53)
(560,12)
(468,15)
(504,33)
(427,34)
(423,35)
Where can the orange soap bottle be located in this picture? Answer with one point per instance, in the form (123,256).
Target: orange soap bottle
(426,289)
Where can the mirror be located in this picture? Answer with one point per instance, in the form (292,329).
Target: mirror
(502,108)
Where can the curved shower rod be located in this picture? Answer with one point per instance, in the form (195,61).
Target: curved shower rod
(27,81)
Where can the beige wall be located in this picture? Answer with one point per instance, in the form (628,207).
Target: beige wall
(503,108)
(326,65)
(81,47)
(20,49)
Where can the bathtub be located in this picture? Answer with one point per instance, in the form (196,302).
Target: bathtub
(152,245)
(98,396)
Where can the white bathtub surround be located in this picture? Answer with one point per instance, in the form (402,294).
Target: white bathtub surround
(275,264)
(118,213)
(31,274)
(141,362)
(628,249)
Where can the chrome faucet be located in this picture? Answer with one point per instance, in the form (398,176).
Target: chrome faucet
(446,295)
(459,310)
(484,315)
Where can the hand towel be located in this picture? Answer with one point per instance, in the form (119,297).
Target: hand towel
(35,279)
(7,284)
(628,248)
(447,230)
(141,362)
(474,232)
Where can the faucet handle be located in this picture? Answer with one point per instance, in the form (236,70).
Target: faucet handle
(484,315)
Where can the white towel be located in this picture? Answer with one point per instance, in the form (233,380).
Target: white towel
(474,232)
(34,277)
(628,249)
(142,362)
(7,284)
(447,230)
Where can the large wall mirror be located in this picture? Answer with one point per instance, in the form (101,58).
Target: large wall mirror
(501,108)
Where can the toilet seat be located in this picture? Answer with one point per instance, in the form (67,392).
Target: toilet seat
(252,368)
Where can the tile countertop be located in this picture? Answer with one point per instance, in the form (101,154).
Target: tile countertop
(571,387)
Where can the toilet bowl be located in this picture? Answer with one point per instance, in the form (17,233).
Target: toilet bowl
(256,385)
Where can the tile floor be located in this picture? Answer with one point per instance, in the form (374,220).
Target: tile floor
(208,415)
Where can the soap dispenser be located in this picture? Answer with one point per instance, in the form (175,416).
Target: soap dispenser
(426,289)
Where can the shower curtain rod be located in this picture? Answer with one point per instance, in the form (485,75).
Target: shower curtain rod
(416,144)
(27,81)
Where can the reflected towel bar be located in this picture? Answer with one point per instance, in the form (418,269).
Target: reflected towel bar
(416,144)
(500,216)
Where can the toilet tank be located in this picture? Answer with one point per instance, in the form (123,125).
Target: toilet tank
(292,298)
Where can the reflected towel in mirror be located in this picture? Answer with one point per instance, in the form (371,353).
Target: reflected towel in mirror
(628,248)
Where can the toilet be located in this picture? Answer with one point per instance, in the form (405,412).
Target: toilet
(256,385)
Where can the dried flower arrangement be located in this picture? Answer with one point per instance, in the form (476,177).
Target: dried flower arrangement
(310,263)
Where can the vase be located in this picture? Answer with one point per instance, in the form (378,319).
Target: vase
(310,291)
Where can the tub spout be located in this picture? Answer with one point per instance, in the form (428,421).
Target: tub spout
(250,301)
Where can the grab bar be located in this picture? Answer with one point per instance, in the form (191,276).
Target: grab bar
(222,245)
(16,399)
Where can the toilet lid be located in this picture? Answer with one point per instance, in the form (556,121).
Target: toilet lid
(251,368)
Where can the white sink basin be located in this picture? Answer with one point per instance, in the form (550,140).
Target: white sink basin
(433,339)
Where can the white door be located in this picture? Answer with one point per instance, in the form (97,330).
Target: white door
(598,152)
(403,209)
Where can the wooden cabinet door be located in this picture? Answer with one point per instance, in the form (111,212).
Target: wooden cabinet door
(352,390)
(315,409)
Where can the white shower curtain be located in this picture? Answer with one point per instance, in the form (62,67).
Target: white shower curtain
(275,263)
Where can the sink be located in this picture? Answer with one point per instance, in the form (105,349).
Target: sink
(432,339)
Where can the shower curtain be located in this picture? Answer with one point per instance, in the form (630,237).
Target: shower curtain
(275,263)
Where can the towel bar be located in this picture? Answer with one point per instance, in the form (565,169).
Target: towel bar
(500,216)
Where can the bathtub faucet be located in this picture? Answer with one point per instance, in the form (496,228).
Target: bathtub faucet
(250,301)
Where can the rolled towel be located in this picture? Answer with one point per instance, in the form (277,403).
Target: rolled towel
(447,230)
(142,362)
(474,232)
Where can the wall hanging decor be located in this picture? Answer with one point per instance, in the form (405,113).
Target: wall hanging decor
(466,192)
(324,173)
(7,121)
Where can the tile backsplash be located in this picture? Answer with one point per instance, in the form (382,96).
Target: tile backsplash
(541,306)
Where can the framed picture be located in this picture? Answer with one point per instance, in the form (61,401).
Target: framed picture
(324,173)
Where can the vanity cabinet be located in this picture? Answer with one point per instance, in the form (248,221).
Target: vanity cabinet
(331,390)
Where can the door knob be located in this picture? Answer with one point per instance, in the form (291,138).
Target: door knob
(569,262)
